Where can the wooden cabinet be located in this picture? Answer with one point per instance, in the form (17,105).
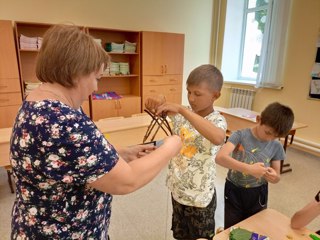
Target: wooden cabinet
(121,107)
(127,85)
(162,65)
(10,91)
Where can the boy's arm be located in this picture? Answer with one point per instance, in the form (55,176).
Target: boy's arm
(273,173)
(214,134)
(224,159)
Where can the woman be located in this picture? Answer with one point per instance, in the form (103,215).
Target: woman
(65,169)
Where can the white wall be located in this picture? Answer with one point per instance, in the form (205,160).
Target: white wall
(191,17)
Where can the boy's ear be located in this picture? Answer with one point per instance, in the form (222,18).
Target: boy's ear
(216,95)
(258,119)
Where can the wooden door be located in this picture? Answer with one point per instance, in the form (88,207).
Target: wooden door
(173,48)
(8,115)
(104,109)
(128,106)
(8,59)
(152,53)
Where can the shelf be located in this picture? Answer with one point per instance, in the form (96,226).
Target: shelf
(29,50)
(115,53)
(120,76)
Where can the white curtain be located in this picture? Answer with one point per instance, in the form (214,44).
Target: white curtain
(270,74)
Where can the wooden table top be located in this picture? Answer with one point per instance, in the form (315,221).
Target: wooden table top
(271,223)
(238,118)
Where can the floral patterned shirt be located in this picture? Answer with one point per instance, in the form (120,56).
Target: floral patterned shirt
(192,172)
(55,152)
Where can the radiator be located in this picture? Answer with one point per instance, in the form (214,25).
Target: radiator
(241,98)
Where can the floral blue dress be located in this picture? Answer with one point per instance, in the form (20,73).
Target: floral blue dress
(55,152)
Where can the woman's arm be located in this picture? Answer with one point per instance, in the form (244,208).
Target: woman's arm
(304,216)
(127,177)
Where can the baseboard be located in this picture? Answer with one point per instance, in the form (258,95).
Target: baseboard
(306,145)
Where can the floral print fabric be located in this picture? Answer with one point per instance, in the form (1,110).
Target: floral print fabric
(55,151)
(192,172)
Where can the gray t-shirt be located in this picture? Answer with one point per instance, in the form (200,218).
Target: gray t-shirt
(249,149)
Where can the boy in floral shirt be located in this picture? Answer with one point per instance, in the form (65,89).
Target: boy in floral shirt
(192,172)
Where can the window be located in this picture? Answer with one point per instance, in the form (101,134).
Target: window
(254,19)
(254,42)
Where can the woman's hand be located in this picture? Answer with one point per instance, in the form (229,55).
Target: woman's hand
(133,152)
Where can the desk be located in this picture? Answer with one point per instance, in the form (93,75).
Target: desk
(5,134)
(271,223)
(239,118)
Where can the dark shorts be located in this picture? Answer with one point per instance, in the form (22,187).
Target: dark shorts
(193,222)
(241,203)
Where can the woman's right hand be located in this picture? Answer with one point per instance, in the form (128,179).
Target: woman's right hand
(173,142)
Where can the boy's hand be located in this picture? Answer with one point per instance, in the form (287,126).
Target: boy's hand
(258,170)
(153,103)
(271,175)
(168,108)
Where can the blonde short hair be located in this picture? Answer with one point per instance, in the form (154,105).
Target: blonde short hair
(67,53)
(206,73)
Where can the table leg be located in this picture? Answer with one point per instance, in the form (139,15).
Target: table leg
(287,165)
(9,172)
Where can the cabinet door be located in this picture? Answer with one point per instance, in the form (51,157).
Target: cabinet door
(128,106)
(10,99)
(173,48)
(8,59)
(152,53)
(172,93)
(8,115)
(86,107)
(162,80)
(162,53)
(104,109)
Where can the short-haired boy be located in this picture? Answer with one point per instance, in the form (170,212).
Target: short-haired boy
(253,157)
(191,174)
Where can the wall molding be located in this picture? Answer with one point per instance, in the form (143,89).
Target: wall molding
(307,145)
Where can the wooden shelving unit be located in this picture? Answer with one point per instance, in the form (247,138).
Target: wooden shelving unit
(27,57)
(128,86)
(10,91)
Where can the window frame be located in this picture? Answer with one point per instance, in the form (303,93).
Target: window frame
(246,11)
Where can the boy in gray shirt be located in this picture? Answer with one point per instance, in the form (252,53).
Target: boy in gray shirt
(253,157)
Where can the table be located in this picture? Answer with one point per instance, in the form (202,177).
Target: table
(120,131)
(271,223)
(5,134)
(239,118)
